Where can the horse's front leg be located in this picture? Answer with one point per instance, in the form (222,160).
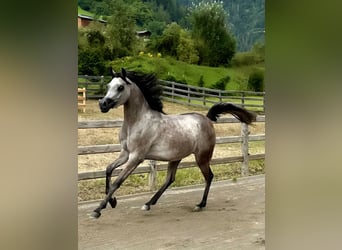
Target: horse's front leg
(123,157)
(129,167)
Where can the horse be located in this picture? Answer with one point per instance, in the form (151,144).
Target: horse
(149,133)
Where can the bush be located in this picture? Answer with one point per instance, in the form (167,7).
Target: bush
(221,84)
(201,82)
(186,50)
(255,56)
(91,62)
(245,58)
(256,80)
(170,78)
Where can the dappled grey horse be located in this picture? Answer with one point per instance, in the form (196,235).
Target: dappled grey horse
(148,133)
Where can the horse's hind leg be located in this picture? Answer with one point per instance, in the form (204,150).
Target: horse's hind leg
(203,163)
(171,174)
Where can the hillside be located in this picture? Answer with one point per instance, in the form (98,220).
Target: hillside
(84,12)
(171,69)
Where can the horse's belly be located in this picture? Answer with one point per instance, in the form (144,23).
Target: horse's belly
(170,151)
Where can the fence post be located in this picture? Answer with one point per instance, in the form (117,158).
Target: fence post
(86,83)
(243,99)
(244,149)
(189,100)
(173,91)
(204,103)
(101,86)
(152,177)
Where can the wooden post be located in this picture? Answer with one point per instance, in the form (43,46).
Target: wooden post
(244,149)
(243,99)
(204,102)
(152,177)
(189,95)
(173,91)
(102,90)
(81,98)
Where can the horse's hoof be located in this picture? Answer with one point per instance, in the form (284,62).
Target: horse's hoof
(197,209)
(112,202)
(146,207)
(95,215)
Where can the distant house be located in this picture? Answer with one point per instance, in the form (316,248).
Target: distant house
(84,20)
(145,34)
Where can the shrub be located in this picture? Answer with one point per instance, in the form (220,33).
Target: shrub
(221,84)
(201,82)
(245,58)
(91,62)
(170,78)
(256,80)
(186,50)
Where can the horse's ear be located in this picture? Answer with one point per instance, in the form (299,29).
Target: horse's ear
(123,73)
(112,72)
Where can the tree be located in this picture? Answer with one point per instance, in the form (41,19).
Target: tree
(248,19)
(186,50)
(92,52)
(121,29)
(169,40)
(215,44)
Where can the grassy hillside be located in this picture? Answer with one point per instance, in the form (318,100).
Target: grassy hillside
(168,68)
(84,12)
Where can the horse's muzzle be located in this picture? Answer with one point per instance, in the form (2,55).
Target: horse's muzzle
(106,104)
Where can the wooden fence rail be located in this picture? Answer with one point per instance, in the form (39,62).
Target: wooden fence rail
(205,97)
(184,94)
(151,168)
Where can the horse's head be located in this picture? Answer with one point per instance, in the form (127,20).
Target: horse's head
(118,92)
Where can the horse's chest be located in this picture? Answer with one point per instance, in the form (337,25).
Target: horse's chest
(140,137)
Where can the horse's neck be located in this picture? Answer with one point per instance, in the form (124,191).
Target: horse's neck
(136,107)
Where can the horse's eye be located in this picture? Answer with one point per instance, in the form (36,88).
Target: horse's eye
(121,88)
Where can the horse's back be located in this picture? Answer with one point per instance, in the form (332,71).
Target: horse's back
(181,135)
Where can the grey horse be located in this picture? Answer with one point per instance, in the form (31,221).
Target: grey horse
(148,133)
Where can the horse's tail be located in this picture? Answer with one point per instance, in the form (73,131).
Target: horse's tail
(242,114)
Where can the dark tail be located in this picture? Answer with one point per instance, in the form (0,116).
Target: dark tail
(242,114)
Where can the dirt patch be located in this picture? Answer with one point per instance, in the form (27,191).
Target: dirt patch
(233,219)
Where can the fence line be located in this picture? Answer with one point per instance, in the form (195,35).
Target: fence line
(184,94)
(201,96)
(152,167)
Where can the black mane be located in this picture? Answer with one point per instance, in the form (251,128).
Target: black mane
(150,87)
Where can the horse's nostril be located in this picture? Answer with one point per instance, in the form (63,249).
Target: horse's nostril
(103,103)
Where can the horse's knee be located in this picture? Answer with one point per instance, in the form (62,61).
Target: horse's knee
(211,175)
(109,170)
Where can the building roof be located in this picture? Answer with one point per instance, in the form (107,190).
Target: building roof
(144,33)
(91,18)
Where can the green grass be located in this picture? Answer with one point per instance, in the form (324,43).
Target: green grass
(166,67)
(84,12)
(138,183)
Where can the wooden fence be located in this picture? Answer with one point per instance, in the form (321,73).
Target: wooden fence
(205,97)
(184,94)
(81,98)
(152,167)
